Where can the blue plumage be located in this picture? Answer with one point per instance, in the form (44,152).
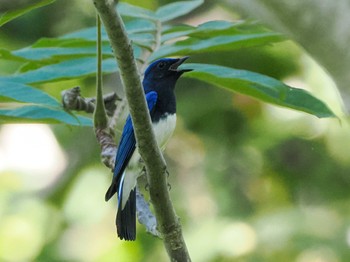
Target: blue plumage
(158,83)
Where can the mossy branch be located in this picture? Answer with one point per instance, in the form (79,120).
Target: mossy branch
(168,222)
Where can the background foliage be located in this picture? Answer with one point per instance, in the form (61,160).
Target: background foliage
(251,181)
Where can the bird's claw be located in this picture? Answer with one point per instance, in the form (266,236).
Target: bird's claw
(143,170)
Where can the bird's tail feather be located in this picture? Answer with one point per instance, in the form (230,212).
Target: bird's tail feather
(111,191)
(126,218)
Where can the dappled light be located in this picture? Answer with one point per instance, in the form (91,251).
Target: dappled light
(32,152)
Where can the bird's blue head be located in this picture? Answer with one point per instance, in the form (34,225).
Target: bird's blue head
(163,73)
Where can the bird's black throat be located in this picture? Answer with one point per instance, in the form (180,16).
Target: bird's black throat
(166,105)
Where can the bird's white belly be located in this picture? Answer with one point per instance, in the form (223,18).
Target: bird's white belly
(163,130)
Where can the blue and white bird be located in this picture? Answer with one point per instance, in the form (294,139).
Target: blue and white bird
(159,84)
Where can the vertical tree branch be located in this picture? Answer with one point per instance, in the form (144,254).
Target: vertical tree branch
(168,222)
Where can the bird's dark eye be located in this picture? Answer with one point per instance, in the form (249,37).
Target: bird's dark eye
(161,65)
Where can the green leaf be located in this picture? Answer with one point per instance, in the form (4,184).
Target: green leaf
(79,44)
(39,114)
(177,31)
(261,87)
(129,10)
(8,55)
(64,42)
(82,44)
(133,27)
(74,68)
(23,93)
(213,29)
(8,16)
(219,25)
(58,53)
(32,65)
(86,34)
(218,43)
(138,36)
(140,26)
(174,10)
(226,27)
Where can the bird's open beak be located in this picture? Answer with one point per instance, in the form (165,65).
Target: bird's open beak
(175,66)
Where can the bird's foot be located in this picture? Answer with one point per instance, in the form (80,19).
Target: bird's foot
(143,170)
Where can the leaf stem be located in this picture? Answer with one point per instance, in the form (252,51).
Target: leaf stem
(100,118)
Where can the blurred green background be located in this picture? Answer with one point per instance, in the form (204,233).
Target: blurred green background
(250,181)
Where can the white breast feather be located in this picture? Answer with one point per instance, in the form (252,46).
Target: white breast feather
(164,129)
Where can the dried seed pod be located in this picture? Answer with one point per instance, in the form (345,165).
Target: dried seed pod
(72,100)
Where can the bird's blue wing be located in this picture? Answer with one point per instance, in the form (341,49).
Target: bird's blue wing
(127,147)
(151,99)
(127,142)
